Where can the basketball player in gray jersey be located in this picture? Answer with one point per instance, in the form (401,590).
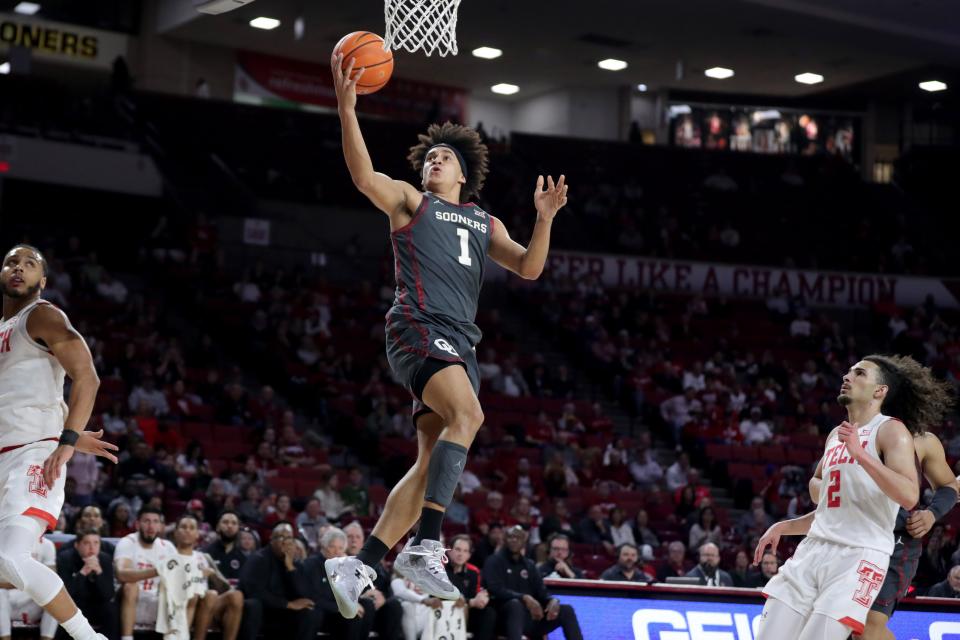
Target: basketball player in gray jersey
(440,242)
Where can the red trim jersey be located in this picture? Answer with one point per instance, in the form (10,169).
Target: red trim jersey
(439,259)
(31,383)
(853,510)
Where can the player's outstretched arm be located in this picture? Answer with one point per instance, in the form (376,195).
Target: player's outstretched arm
(47,326)
(528,263)
(771,538)
(389,195)
(896,475)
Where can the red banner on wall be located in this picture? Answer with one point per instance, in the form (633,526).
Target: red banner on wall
(284,81)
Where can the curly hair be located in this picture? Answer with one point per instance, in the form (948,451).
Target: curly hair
(914,395)
(463,139)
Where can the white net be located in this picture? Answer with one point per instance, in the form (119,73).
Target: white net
(430,25)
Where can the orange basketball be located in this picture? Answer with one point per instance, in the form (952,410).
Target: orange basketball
(367,49)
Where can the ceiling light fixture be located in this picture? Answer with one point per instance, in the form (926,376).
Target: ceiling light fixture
(933,85)
(612,64)
(26,8)
(808,78)
(505,89)
(719,73)
(264,23)
(487,53)
(4,68)
(641,88)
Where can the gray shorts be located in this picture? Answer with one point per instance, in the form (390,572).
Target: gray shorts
(415,345)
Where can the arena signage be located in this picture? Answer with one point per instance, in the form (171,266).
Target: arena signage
(59,42)
(818,288)
(632,618)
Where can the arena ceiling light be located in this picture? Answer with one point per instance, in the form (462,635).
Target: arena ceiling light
(808,78)
(264,23)
(27,8)
(612,64)
(505,89)
(487,53)
(642,88)
(719,73)
(933,85)
(4,68)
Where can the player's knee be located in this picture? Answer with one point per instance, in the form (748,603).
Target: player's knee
(512,608)
(235,599)
(468,420)
(10,570)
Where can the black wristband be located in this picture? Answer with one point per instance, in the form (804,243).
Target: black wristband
(943,500)
(69,437)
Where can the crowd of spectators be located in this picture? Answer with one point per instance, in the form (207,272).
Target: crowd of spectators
(589,501)
(256,401)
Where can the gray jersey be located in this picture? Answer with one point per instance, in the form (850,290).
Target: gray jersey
(439,259)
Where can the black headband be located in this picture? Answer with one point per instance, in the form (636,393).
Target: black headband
(463,163)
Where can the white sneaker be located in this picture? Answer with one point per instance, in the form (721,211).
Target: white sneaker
(422,565)
(348,578)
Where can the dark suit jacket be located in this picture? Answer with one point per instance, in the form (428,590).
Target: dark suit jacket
(723,578)
(84,588)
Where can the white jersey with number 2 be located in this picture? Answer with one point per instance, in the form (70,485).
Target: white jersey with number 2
(853,510)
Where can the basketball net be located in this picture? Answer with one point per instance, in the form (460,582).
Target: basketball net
(430,25)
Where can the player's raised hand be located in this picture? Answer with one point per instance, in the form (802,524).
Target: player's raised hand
(550,200)
(92,442)
(345,86)
(850,436)
(770,538)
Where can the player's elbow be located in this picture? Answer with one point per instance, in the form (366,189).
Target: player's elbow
(529,272)
(363,183)
(530,275)
(910,499)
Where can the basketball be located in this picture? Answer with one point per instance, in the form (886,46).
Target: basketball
(367,49)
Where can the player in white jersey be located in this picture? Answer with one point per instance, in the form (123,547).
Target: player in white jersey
(827,588)
(17,605)
(135,564)
(226,608)
(38,432)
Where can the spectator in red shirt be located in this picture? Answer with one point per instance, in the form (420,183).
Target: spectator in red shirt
(493,513)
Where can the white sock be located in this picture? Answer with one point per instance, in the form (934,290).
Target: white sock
(79,628)
(126,637)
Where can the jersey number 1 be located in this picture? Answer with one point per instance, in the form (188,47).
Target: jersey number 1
(464,257)
(833,490)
